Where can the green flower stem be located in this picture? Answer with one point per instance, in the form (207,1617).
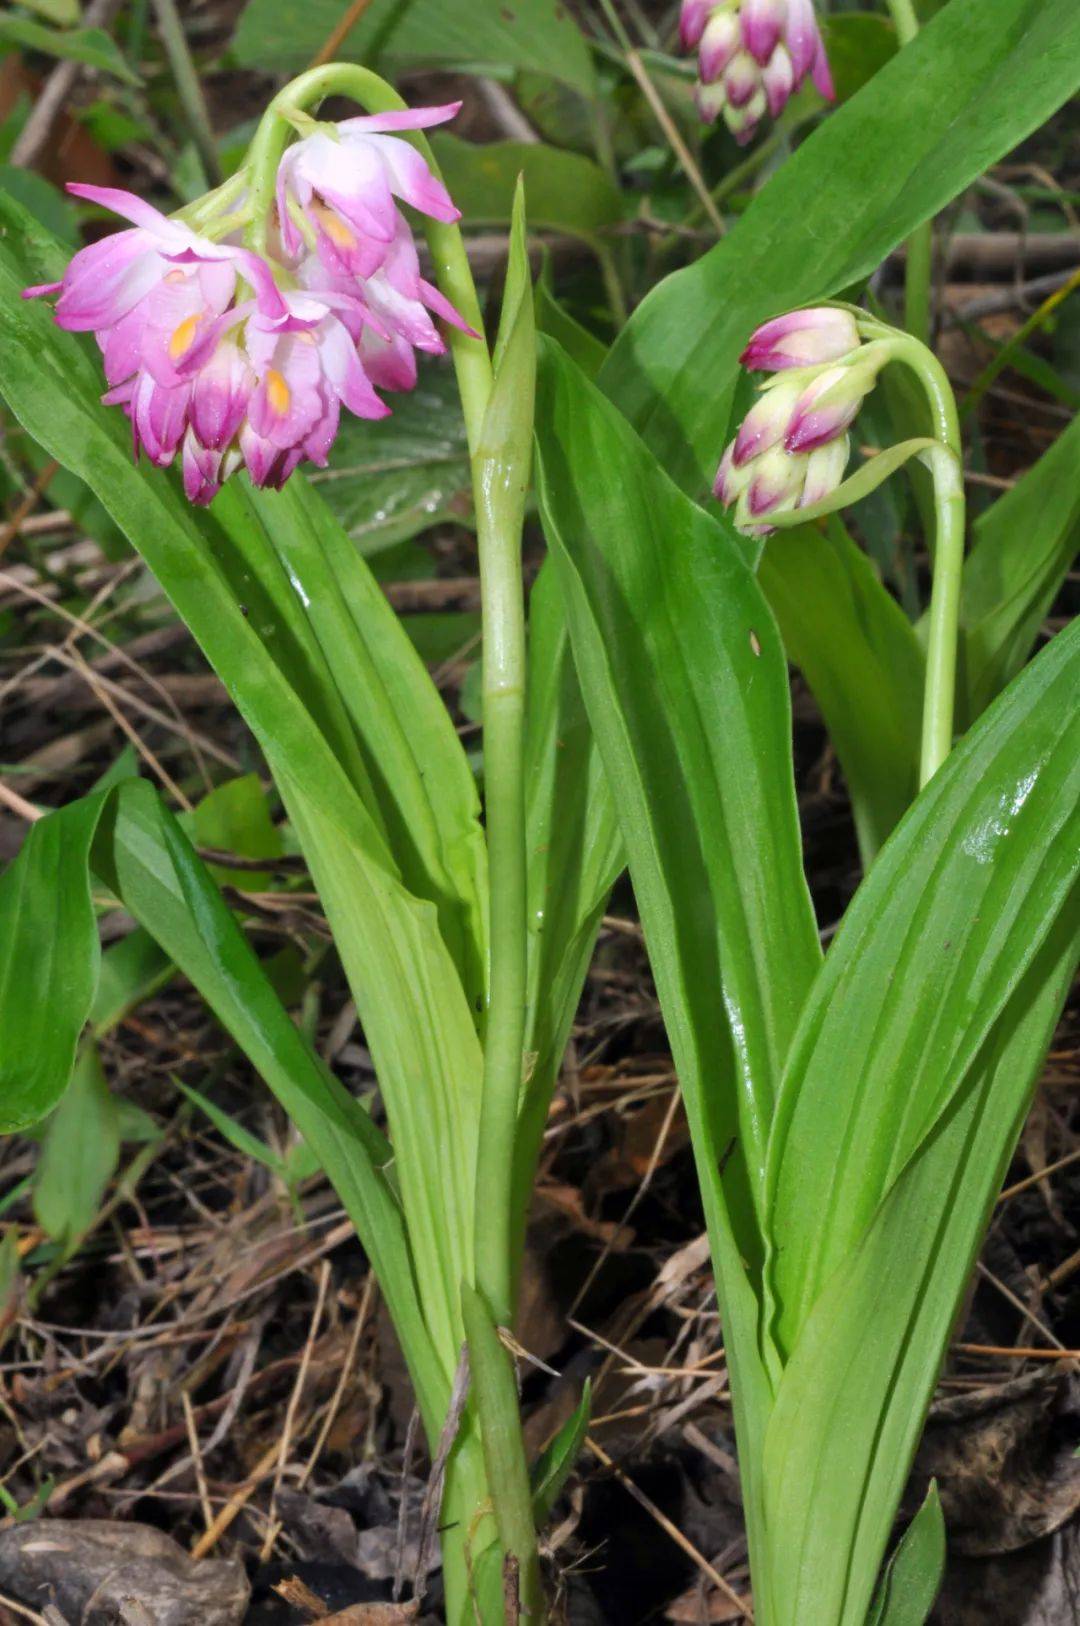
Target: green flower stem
(920,246)
(495,1391)
(945,462)
(941,646)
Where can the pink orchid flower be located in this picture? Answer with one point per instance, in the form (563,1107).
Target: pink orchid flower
(234,360)
(346,187)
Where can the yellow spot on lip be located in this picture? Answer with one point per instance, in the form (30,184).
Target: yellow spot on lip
(333,225)
(183,337)
(277,392)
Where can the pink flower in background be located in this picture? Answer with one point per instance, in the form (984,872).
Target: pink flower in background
(230,359)
(752,56)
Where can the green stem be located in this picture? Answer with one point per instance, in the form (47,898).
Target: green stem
(495,1392)
(920,246)
(941,647)
(945,462)
(500,483)
(188,87)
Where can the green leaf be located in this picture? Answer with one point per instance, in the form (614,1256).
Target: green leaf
(685,685)
(43,974)
(45,201)
(853,1398)
(422,789)
(976,81)
(929,954)
(580,345)
(139,851)
(911,1581)
(566,191)
(1022,549)
(858,44)
(91,46)
(235,593)
(553,1467)
(394,479)
(281,36)
(862,660)
(131,970)
(574,855)
(245,1142)
(79,1154)
(234,818)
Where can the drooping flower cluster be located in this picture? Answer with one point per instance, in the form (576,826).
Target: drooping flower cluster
(752,55)
(233,358)
(792,447)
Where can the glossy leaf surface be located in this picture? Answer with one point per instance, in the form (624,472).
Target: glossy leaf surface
(929,955)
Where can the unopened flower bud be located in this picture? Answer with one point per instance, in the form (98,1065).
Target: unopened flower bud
(829,404)
(804,338)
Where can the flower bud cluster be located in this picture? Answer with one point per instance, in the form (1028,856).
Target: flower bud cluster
(233,358)
(752,55)
(792,447)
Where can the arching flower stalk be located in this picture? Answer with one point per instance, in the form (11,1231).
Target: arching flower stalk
(787,462)
(752,56)
(235,358)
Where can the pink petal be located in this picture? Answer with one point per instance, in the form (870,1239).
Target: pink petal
(127,206)
(778,78)
(40,288)
(761,22)
(693,15)
(406,118)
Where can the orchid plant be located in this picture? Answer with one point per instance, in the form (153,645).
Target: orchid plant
(852,1112)
(232,335)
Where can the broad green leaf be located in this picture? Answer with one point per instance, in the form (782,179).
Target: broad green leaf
(1022,549)
(853,1399)
(44,973)
(685,685)
(234,818)
(395,478)
(422,787)
(137,849)
(580,345)
(862,660)
(929,954)
(976,81)
(858,43)
(79,1153)
(131,970)
(565,191)
(233,592)
(282,36)
(694,729)
(913,1574)
(45,201)
(91,46)
(553,1467)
